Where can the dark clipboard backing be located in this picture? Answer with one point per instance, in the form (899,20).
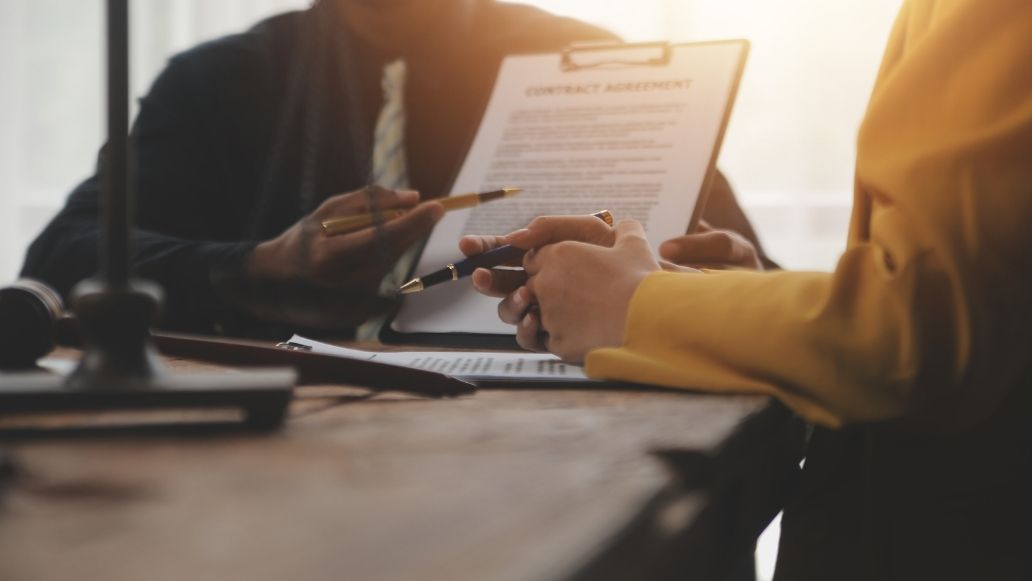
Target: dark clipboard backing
(573,58)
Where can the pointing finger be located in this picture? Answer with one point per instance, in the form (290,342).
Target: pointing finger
(551,229)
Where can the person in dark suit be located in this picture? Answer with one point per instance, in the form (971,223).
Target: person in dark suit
(246,143)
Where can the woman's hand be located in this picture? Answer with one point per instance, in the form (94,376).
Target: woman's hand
(502,282)
(572,259)
(583,292)
(707,247)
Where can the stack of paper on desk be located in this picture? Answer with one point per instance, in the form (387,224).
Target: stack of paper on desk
(478,367)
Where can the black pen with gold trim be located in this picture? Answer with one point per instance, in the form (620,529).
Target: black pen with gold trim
(464,268)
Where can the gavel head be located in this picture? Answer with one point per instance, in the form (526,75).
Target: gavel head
(30,313)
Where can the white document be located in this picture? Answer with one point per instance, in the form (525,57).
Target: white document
(635,140)
(470,365)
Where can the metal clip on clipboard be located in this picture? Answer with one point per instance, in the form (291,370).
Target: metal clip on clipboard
(580,56)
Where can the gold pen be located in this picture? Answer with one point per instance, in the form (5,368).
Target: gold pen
(352,223)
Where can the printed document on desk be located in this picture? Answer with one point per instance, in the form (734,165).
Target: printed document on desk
(478,367)
(638,140)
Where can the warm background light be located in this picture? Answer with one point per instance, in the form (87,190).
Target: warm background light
(790,146)
(789,150)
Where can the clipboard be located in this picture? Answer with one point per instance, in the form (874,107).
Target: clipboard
(576,62)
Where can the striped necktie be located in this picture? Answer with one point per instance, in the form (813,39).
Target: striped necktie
(389,167)
(390,171)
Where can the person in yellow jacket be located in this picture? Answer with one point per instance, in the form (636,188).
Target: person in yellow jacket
(914,357)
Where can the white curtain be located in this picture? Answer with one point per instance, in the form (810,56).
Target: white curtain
(789,150)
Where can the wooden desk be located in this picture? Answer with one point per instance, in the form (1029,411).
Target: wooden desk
(508,485)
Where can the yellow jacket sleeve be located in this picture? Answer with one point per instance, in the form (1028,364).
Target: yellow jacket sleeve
(929,311)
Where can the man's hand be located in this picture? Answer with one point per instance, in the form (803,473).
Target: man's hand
(305,277)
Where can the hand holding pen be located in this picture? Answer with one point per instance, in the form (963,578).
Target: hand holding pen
(487,252)
(303,278)
(325,270)
(577,293)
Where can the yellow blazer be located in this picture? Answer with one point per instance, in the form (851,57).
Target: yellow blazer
(928,314)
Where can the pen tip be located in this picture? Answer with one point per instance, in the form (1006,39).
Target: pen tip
(411,287)
(511,191)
